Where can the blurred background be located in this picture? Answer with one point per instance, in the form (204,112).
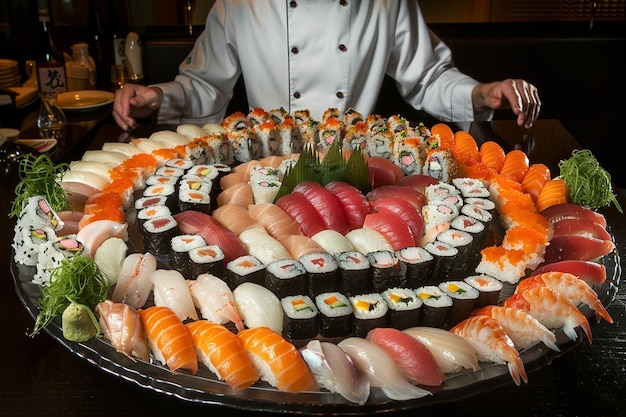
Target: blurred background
(572,50)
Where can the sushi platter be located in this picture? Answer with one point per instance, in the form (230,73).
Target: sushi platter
(257,306)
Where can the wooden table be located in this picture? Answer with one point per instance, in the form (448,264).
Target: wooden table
(40,377)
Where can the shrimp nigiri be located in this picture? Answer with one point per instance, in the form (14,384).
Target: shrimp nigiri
(169,340)
(121,324)
(334,370)
(380,369)
(452,352)
(223,353)
(572,287)
(523,329)
(492,344)
(278,361)
(133,284)
(215,300)
(552,309)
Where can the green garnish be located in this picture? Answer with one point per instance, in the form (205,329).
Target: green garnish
(77,280)
(332,168)
(589,184)
(39,176)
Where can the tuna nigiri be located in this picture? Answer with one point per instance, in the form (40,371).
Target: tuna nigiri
(418,182)
(223,353)
(277,361)
(404,210)
(571,210)
(414,359)
(580,227)
(383,171)
(326,204)
(417,199)
(121,324)
(590,272)
(577,247)
(303,212)
(334,370)
(354,203)
(169,340)
(394,229)
(380,369)
(212,296)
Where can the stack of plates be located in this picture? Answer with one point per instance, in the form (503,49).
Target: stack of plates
(9,73)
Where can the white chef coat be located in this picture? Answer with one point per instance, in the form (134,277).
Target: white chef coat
(315,54)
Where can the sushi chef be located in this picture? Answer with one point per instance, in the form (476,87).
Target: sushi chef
(320,54)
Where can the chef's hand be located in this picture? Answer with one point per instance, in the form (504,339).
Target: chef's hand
(135,100)
(518,95)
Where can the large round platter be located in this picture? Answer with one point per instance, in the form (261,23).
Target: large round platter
(204,387)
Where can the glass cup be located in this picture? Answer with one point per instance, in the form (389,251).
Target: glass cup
(51,121)
(119,76)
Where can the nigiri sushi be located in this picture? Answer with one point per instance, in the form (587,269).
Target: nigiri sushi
(258,306)
(354,203)
(334,370)
(223,353)
(303,213)
(367,240)
(168,339)
(277,361)
(121,324)
(212,296)
(133,285)
(92,235)
(392,227)
(171,290)
(260,244)
(276,221)
(326,204)
(380,369)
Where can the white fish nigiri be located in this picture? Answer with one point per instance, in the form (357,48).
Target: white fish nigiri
(121,324)
(169,139)
(367,240)
(100,168)
(258,306)
(191,131)
(334,370)
(171,290)
(380,369)
(332,241)
(124,148)
(451,351)
(133,283)
(261,244)
(96,232)
(214,300)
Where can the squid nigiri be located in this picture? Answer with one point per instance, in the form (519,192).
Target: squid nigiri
(171,290)
(380,369)
(212,296)
(168,339)
(223,353)
(367,240)
(451,351)
(262,245)
(258,306)
(277,361)
(334,370)
(121,324)
(133,283)
(492,344)
(333,242)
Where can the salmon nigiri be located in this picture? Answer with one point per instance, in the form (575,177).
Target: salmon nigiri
(236,218)
(554,192)
(278,361)
(169,340)
(515,165)
(278,223)
(492,155)
(534,180)
(223,353)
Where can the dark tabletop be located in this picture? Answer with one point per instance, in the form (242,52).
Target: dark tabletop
(39,376)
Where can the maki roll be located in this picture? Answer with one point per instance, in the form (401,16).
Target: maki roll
(471,187)
(246,268)
(321,269)
(404,308)
(370,312)
(264,190)
(206,172)
(299,317)
(285,277)
(386,271)
(488,288)
(52,254)
(167,190)
(462,241)
(444,256)
(192,199)
(463,297)
(161,179)
(180,163)
(151,212)
(478,230)
(437,213)
(157,234)
(143,202)
(419,265)
(27,242)
(335,314)
(206,259)
(435,306)
(353,272)
(168,171)
(179,252)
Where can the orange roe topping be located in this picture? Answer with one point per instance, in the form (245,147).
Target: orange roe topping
(165,153)
(499,255)
(120,186)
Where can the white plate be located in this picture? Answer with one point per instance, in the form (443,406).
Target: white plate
(25,96)
(84,99)
(40,145)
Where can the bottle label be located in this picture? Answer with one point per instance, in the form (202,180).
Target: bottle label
(52,79)
(118,51)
